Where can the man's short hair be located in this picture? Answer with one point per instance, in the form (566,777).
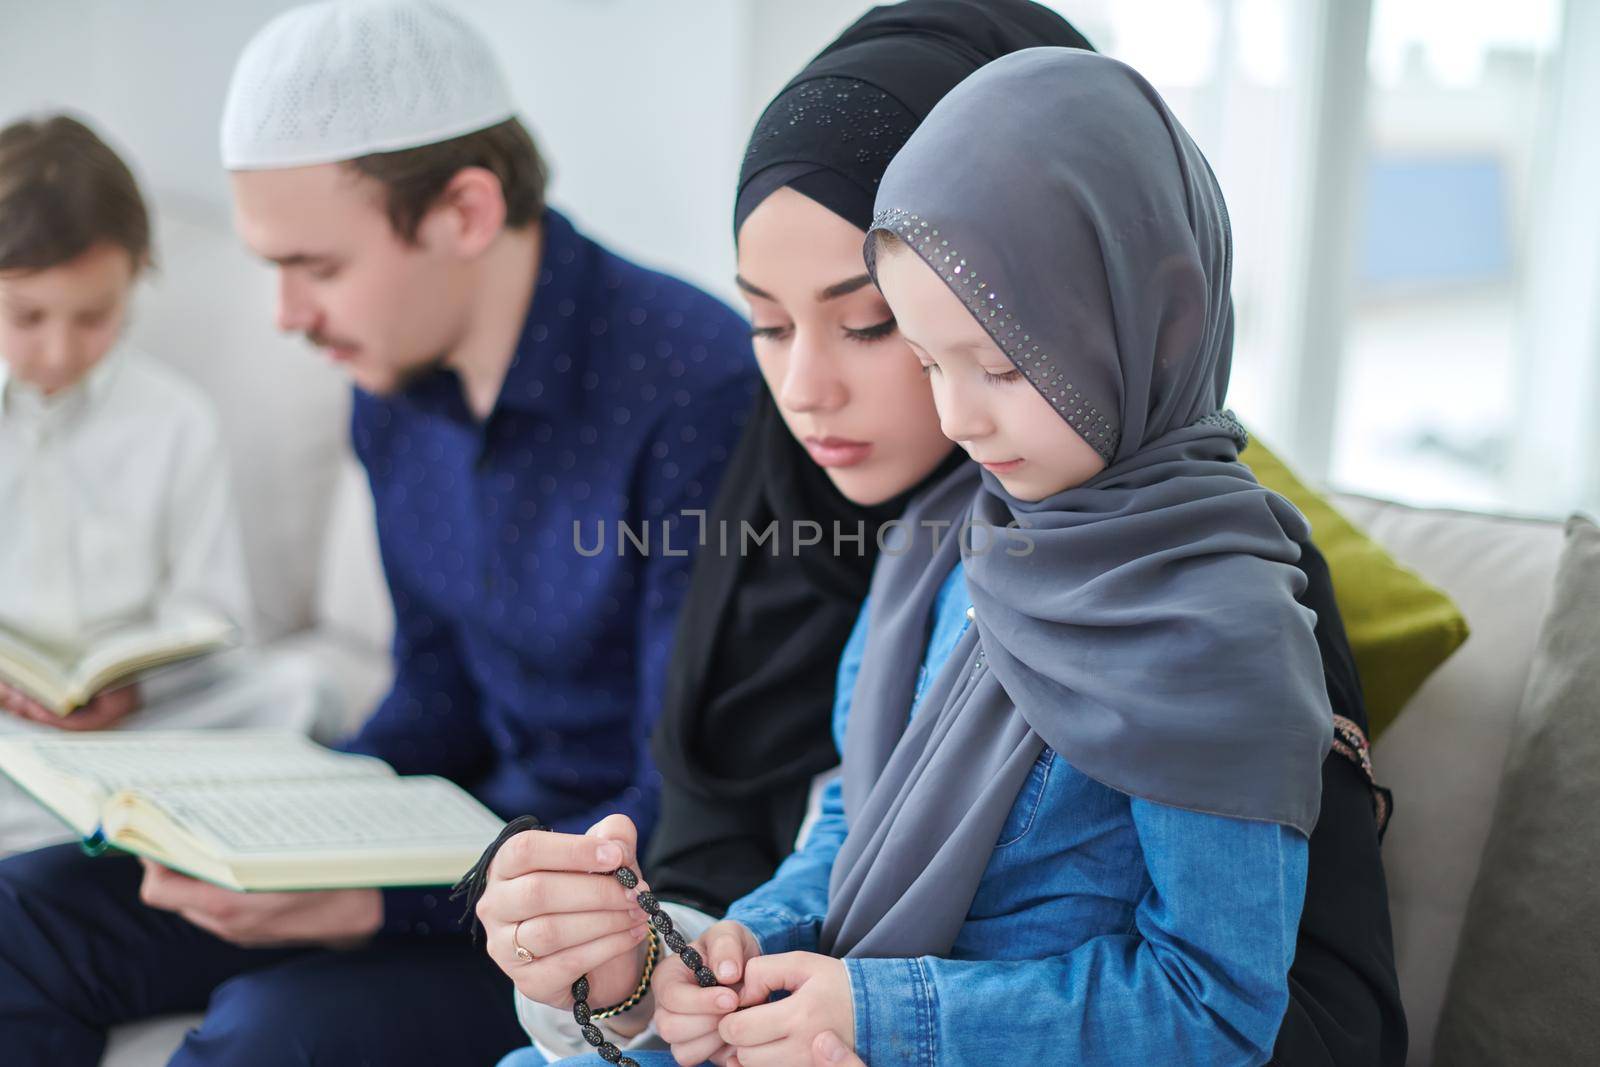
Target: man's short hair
(414,178)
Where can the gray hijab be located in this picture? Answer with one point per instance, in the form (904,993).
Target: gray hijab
(1143,624)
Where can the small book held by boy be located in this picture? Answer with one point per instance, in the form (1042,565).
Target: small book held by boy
(65,680)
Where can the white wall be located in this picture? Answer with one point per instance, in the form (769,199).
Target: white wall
(643,108)
(638,104)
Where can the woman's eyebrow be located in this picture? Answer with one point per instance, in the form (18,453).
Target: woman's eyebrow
(844,288)
(751,289)
(830,292)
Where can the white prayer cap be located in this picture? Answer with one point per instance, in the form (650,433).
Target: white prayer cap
(334,81)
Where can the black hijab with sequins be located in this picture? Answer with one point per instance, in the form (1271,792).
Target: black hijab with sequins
(832,131)
(745,726)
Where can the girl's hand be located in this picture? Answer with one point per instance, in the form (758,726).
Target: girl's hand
(687,1015)
(553,895)
(819,1002)
(829,1051)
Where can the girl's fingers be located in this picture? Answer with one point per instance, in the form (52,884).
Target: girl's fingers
(698,1050)
(677,991)
(766,975)
(676,1029)
(724,948)
(757,1026)
(829,1050)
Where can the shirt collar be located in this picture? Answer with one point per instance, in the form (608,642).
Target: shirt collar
(18,398)
(550,357)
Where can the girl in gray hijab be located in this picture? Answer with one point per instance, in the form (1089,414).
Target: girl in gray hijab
(1078,833)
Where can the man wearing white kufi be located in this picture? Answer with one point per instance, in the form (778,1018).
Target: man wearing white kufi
(515,382)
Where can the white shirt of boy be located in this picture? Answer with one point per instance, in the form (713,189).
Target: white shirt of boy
(115,508)
(117,504)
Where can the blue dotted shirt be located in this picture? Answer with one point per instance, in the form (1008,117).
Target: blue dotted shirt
(530,666)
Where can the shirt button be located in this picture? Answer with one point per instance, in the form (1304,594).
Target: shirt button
(972,613)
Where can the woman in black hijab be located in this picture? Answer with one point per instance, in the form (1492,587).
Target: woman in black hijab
(745,730)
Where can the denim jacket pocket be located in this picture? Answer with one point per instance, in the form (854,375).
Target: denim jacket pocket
(1020,821)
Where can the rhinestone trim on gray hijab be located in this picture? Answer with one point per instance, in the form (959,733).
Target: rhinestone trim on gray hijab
(1143,624)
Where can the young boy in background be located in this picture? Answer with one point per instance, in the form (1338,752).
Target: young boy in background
(115,504)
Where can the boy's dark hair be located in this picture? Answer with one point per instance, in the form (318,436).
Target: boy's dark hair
(413,178)
(63,191)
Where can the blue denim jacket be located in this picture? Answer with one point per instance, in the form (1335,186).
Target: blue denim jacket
(1106,930)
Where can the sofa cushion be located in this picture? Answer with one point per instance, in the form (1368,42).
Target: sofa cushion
(1400,627)
(1525,978)
(352,595)
(360,675)
(149,1042)
(1443,756)
(208,311)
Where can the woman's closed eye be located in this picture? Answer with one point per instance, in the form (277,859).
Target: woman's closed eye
(876,332)
(863,334)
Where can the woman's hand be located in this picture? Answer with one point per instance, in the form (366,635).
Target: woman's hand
(787,1032)
(687,1016)
(553,895)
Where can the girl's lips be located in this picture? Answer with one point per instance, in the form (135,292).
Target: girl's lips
(1005,467)
(836,451)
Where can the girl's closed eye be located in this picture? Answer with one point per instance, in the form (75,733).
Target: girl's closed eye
(1002,377)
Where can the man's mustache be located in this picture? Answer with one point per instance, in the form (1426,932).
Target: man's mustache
(323,340)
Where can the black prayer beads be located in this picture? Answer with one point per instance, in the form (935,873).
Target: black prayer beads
(661,922)
(471,888)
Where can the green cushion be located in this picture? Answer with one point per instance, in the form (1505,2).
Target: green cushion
(1401,628)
